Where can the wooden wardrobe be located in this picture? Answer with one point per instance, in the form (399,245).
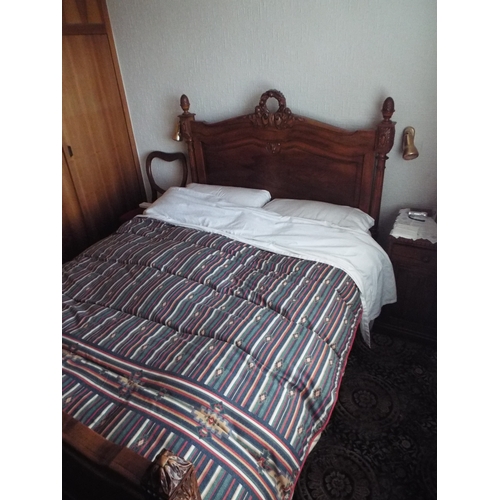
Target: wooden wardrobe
(101,177)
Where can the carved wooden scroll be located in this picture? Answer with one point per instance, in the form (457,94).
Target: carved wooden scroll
(171,478)
(282,118)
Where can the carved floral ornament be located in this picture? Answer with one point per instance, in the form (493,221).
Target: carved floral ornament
(273,147)
(385,137)
(171,478)
(281,118)
(385,130)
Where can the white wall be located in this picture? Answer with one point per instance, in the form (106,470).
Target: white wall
(334,60)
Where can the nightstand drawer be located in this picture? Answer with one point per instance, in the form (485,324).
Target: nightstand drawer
(415,269)
(414,255)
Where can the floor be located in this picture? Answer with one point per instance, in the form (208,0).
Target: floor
(381,442)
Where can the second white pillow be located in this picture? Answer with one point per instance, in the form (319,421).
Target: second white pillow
(341,215)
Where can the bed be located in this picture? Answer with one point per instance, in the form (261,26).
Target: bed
(204,342)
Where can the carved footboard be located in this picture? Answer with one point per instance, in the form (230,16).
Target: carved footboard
(93,467)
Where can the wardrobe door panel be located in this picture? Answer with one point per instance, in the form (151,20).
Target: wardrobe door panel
(95,134)
(74,232)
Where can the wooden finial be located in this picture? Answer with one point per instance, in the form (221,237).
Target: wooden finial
(388,108)
(185,104)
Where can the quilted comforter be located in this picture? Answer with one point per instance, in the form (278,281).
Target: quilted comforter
(228,355)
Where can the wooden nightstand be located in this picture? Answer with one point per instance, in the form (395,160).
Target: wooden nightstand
(415,269)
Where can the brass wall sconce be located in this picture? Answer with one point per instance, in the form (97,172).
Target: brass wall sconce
(410,152)
(177,133)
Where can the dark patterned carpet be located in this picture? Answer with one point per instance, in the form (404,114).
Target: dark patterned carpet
(381,442)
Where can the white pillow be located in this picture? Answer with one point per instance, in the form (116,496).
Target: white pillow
(173,196)
(341,215)
(243,197)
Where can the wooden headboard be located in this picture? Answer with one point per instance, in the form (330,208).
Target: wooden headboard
(290,155)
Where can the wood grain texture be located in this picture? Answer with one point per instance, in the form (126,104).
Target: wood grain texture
(290,155)
(102,164)
(415,268)
(93,467)
(82,12)
(74,231)
(98,144)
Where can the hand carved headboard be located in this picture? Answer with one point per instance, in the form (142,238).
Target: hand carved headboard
(290,155)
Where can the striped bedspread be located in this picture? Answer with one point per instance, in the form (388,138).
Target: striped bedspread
(227,355)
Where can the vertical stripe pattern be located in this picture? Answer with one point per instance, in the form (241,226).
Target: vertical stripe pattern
(227,355)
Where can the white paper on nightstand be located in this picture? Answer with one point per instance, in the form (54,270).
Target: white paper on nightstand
(404,227)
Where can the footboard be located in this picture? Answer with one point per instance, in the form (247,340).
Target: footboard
(93,467)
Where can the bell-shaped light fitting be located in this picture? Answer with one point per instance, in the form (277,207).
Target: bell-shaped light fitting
(177,133)
(410,152)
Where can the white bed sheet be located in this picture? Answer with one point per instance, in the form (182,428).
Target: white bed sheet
(352,250)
